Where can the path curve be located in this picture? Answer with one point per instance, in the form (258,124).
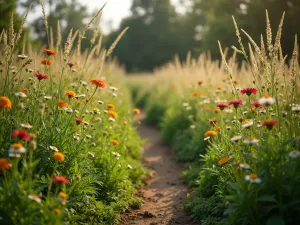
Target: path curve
(163,192)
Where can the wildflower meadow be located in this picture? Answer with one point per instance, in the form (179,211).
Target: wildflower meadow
(236,126)
(70,153)
(70,148)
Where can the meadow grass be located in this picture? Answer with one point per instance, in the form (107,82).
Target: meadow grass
(237,127)
(69,150)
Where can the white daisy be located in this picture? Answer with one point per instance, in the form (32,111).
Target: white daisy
(252,178)
(21,94)
(26,125)
(294,154)
(54,148)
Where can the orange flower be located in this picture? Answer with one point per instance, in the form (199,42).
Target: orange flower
(46,62)
(219,87)
(4,164)
(223,161)
(98,83)
(49,52)
(210,133)
(112,114)
(58,156)
(136,111)
(5,103)
(62,103)
(79,103)
(70,94)
(200,82)
(110,106)
(56,210)
(195,93)
(218,128)
(207,109)
(217,110)
(115,142)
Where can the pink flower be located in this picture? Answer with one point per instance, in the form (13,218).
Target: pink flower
(236,103)
(256,104)
(41,76)
(249,91)
(21,134)
(222,105)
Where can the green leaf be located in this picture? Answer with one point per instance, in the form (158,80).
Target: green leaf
(275,220)
(229,210)
(267,198)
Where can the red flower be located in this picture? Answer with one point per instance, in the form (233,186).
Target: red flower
(222,105)
(20,134)
(78,121)
(270,123)
(41,76)
(25,90)
(256,104)
(60,180)
(249,91)
(236,103)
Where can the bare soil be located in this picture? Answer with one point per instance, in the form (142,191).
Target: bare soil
(164,191)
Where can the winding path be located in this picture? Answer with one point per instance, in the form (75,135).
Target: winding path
(164,191)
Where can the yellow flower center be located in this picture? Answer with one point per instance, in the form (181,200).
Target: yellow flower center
(253,176)
(17,146)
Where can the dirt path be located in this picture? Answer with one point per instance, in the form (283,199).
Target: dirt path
(164,191)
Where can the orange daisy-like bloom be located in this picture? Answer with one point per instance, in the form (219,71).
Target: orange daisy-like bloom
(58,156)
(115,142)
(112,114)
(49,52)
(270,124)
(79,102)
(5,103)
(98,83)
(136,111)
(62,103)
(4,164)
(210,133)
(217,110)
(195,93)
(63,195)
(46,62)
(223,161)
(56,210)
(219,88)
(70,94)
(218,128)
(110,106)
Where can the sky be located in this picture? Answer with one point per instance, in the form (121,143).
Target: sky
(113,13)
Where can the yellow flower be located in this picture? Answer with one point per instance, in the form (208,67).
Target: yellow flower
(210,133)
(58,156)
(5,103)
(63,195)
